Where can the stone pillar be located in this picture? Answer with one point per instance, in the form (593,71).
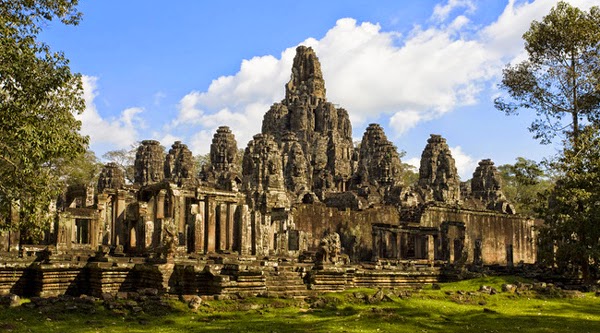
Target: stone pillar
(376,240)
(149,233)
(103,219)
(222,236)
(160,204)
(119,227)
(451,250)
(231,225)
(245,232)
(430,248)
(399,236)
(199,228)
(211,225)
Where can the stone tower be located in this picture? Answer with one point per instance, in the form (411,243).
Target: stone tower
(438,177)
(149,163)
(111,177)
(263,174)
(486,185)
(224,152)
(224,160)
(323,131)
(179,163)
(379,163)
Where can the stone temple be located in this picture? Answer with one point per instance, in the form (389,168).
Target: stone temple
(302,210)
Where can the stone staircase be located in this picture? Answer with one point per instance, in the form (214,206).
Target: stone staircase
(285,282)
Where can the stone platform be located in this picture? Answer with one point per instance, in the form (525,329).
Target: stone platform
(219,277)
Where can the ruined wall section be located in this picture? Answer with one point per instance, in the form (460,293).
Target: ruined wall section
(498,235)
(354,227)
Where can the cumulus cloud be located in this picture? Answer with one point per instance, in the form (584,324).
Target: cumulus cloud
(117,132)
(373,73)
(465,164)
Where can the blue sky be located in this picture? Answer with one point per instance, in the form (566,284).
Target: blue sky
(178,70)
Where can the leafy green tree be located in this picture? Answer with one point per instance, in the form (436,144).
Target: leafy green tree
(560,79)
(83,170)
(39,96)
(573,214)
(523,184)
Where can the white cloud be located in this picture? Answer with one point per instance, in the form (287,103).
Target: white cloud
(411,79)
(118,132)
(441,12)
(465,164)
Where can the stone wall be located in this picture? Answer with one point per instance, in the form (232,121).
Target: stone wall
(499,234)
(354,227)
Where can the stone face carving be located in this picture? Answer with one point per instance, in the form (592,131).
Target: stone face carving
(224,160)
(323,131)
(179,163)
(438,177)
(149,163)
(111,176)
(263,173)
(486,185)
(379,163)
(295,165)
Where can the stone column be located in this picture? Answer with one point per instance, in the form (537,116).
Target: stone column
(160,204)
(119,227)
(430,248)
(103,219)
(245,231)
(223,215)
(199,228)
(231,225)
(376,239)
(211,225)
(450,250)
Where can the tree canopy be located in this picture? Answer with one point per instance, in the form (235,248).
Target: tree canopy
(572,217)
(523,184)
(560,79)
(39,96)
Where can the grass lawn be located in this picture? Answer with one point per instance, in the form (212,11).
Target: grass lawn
(456,307)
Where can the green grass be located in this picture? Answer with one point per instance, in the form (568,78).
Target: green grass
(425,310)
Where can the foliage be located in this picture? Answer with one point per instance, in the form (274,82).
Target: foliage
(410,174)
(125,159)
(573,213)
(79,171)
(523,184)
(457,307)
(38,98)
(560,78)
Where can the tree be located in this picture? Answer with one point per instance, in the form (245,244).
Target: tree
(83,170)
(38,98)
(523,183)
(125,159)
(560,78)
(573,213)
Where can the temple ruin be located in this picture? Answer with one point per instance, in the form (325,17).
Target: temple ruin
(303,210)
